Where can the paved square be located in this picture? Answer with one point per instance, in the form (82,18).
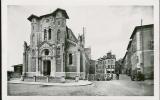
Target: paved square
(122,87)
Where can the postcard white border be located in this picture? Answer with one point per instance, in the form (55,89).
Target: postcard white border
(155,3)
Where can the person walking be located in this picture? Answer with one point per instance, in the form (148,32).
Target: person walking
(117,75)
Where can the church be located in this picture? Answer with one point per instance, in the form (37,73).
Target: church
(54,50)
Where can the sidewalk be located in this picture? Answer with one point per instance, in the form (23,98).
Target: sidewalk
(79,83)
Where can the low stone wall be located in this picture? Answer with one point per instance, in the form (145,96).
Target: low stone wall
(100,77)
(59,74)
(70,75)
(67,75)
(91,77)
(47,79)
(15,75)
(30,74)
(82,75)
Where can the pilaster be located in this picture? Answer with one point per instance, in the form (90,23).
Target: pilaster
(37,65)
(84,65)
(24,63)
(53,66)
(78,63)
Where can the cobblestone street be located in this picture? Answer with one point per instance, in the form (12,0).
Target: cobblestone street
(122,87)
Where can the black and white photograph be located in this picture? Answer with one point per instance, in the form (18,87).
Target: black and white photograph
(86,49)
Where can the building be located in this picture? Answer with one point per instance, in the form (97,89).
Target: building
(16,72)
(118,66)
(127,66)
(124,64)
(92,71)
(54,50)
(105,65)
(100,69)
(92,67)
(140,51)
(109,62)
(18,68)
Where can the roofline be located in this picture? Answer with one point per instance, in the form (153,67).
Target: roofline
(139,27)
(53,13)
(125,56)
(17,65)
(129,44)
(73,34)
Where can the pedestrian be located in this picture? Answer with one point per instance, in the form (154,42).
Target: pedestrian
(117,75)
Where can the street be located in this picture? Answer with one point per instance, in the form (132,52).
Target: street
(122,87)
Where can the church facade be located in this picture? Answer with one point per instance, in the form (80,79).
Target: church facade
(54,50)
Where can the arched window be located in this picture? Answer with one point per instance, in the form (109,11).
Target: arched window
(32,27)
(49,34)
(33,39)
(46,52)
(33,52)
(58,35)
(59,22)
(45,34)
(70,59)
(58,52)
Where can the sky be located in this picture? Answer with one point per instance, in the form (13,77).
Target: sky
(108,28)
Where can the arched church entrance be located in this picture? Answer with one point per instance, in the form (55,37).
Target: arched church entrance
(46,67)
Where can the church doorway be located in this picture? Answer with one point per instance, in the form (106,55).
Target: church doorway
(46,67)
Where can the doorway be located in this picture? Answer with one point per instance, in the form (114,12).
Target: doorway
(46,67)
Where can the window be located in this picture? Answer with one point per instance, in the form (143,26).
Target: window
(108,66)
(49,34)
(63,23)
(32,27)
(59,23)
(58,35)
(70,59)
(46,52)
(151,45)
(58,52)
(45,35)
(47,20)
(33,52)
(111,61)
(33,39)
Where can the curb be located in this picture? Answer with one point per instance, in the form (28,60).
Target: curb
(53,84)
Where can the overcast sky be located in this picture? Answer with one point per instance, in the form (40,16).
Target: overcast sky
(108,28)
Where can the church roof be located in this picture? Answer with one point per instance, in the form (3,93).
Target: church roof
(32,16)
(69,32)
(53,13)
(19,65)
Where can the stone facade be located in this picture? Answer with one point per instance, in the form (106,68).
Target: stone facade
(105,65)
(140,51)
(54,50)
(109,62)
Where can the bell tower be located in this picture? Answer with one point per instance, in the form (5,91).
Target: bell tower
(60,23)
